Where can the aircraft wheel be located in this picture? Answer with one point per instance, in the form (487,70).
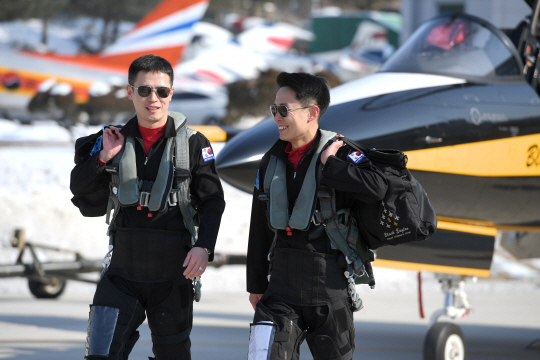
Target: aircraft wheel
(47,291)
(444,341)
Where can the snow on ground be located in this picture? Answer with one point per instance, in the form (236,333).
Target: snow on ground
(35,196)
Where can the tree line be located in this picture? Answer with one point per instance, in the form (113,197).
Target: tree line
(113,12)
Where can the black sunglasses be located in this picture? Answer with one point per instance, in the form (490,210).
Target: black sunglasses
(145,90)
(284,110)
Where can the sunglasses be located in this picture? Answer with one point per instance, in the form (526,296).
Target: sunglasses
(145,91)
(284,110)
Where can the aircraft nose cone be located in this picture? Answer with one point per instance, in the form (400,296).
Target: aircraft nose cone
(237,163)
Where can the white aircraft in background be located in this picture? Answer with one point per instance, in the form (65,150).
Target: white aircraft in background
(75,80)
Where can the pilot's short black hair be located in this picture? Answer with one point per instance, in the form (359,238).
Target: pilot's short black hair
(308,88)
(149,63)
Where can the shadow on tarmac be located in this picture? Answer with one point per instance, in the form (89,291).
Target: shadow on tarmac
(374,341)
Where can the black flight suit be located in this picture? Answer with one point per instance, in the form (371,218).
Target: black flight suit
(145,273)
(307,293)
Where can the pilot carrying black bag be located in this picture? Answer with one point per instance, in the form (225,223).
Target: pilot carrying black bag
(405,214)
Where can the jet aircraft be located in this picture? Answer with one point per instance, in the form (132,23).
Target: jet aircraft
(165,31)
(461,98)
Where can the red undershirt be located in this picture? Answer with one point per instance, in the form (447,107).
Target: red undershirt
(295,155)
(150,136)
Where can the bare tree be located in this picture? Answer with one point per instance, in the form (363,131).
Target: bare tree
(25,9)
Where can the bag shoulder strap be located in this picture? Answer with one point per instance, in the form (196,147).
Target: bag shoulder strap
(387,156)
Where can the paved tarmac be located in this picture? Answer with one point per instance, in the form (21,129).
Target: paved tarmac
(504,325)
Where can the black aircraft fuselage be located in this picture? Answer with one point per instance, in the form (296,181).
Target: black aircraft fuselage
(454,99)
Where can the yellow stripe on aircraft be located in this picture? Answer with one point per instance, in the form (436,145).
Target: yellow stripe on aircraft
(399,265)
(212,133)
(482,224)
(516,156)
(468,228)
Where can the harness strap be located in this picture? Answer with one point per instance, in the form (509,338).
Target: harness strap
(128,187)
(183,178)
(278,209)
(114,203)
(162,185)
(327,202)
(305,203)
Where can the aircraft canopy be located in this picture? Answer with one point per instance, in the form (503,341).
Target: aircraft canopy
(459,46)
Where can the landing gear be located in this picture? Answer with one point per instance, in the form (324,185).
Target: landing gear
(444,340)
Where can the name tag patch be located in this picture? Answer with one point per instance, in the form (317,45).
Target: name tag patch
(356,156)
(207,154)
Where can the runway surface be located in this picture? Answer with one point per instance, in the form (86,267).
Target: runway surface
(504,325)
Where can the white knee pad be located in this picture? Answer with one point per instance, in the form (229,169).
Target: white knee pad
(260,340)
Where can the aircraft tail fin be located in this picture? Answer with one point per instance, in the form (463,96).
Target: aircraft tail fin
(165,32)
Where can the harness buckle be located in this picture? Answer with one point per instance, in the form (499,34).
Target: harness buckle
(324,194)
(182,173)
(113,169)
(172,200)
(144,198)
(263,197)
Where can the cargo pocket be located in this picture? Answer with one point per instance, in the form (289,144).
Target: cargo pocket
(334,340)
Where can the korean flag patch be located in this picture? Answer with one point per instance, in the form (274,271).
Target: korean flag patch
(356,156)
(207,154)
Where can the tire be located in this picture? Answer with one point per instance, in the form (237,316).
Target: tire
(47,291)
(444,341)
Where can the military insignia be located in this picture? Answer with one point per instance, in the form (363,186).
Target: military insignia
(207,154)
(356,156)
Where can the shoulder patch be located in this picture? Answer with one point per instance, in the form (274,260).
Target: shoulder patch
(207,154)
(356,156)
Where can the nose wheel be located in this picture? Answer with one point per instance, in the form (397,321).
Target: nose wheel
(444,341)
